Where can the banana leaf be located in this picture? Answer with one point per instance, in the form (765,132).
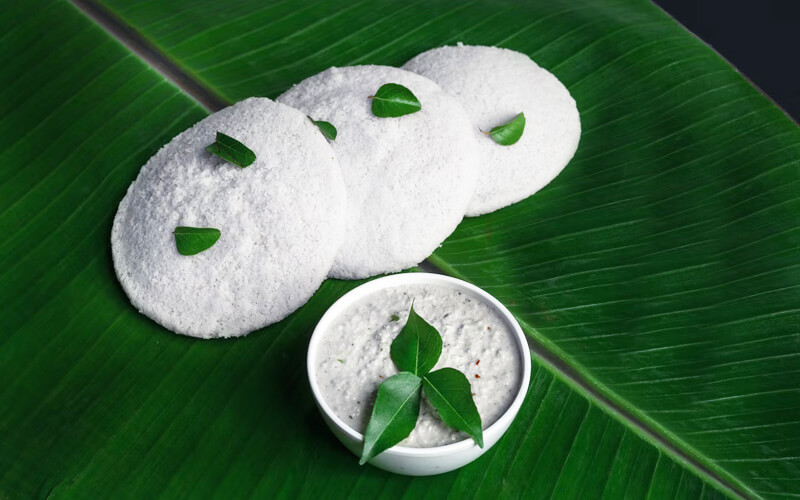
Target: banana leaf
(655,277)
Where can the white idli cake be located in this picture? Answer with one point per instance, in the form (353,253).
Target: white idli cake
(495,85)
(280,223)
(409,178)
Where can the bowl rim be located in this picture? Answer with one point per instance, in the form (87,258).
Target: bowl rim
(417,278)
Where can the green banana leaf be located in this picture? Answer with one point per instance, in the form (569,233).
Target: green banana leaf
(656,277)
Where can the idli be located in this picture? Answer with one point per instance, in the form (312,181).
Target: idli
(279,223)
(495,85)
(409,178)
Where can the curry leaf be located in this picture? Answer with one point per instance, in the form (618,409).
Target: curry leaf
(327,128)
(393,100)
(417,347)
(509,133)
(193,240)
(394,414)
(449,392)
(231,150)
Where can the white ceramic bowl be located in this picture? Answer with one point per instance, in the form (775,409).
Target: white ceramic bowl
(404,459)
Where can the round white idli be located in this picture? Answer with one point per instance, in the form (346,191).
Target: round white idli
(409,179)
(495,85)
(281,219)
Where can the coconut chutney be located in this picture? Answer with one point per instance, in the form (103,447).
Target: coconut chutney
(494,85)
(281,221)
(409,178)
(353,356)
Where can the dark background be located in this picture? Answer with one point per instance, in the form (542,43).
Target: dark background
(760,37)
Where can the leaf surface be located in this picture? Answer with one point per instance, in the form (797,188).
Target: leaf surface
(193,240)
(232,151)
(449,392)
(417,347)
(327,129)
(509,133)
(394,414)
(393,100)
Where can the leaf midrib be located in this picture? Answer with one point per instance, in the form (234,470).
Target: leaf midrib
(152,55)
(547,352)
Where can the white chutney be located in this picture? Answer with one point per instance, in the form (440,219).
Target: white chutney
(353,356)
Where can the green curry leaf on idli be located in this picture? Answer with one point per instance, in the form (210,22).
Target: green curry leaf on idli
(327,128)
(193,240)
(508,133)
(232,151)
(412,155)
(393,100)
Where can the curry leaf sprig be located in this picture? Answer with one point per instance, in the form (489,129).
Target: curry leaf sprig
(415,351)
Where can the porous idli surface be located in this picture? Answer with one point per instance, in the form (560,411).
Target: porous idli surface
(409,179)
(495,85)
(281,221)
